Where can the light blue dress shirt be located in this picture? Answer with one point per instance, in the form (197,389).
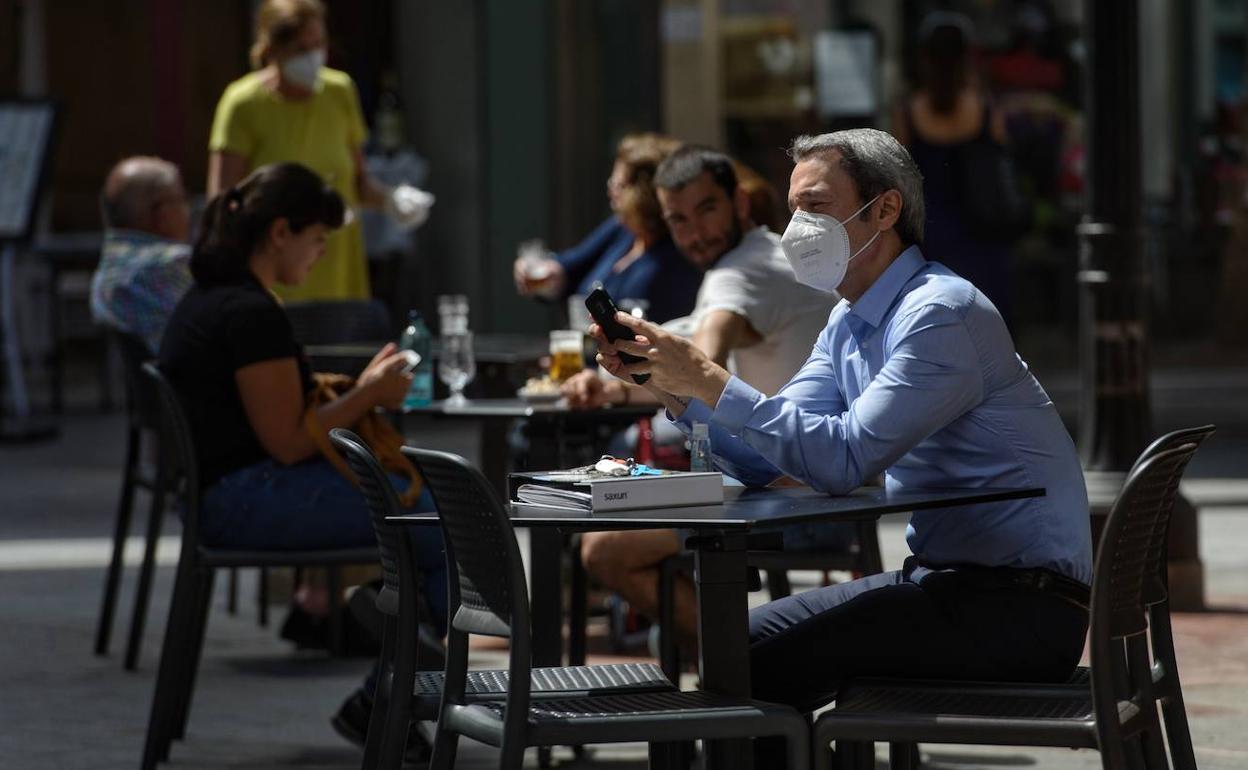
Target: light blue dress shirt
(919,380)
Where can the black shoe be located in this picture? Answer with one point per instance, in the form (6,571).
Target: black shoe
(362,604)
(430,653)
(306,631)
(351,722)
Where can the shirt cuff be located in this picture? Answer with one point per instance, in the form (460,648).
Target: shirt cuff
(695,412)
(736,405)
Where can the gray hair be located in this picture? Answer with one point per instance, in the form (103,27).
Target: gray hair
(133,188)
(876,162)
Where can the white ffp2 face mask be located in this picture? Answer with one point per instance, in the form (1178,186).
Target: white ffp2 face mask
(304,70)
(817,246)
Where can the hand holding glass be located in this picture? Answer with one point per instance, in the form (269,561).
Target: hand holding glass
(535,267)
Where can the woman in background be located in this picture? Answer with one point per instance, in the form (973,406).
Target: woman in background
(947,112)
(630,254)
(294,108)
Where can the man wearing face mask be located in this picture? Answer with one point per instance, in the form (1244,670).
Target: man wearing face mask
(292,108)
(915,376)
(751,316)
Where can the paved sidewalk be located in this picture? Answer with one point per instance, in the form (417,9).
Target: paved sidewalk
(260,705)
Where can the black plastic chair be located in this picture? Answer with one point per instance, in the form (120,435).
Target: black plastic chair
(394,710)
(142,422)
(1116,712)
(197,565)
(489,596)
(142,426)
(1166,686)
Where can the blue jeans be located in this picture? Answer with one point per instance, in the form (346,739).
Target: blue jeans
(309,505)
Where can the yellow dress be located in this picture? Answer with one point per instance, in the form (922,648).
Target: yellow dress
(321,132)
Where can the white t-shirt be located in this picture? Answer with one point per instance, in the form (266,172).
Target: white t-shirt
(755,281)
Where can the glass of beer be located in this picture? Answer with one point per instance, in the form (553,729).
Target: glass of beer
(566,353)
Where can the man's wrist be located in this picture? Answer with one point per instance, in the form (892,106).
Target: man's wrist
(712,385)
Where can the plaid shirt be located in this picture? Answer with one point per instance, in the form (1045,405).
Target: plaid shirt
(140,279)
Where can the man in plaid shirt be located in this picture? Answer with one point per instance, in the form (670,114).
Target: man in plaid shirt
(145,264)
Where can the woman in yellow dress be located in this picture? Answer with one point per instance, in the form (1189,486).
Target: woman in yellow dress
(293,108)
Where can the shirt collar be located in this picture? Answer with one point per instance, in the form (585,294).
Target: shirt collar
(876,301)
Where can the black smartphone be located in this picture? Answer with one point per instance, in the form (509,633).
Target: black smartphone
(602,309)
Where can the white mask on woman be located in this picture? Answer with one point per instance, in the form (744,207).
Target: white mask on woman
(817,246)
(304,70)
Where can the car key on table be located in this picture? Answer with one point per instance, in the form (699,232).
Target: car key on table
(602,308)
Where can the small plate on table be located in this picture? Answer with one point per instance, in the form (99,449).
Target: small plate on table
(538,396)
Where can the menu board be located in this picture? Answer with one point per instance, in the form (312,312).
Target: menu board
(25,140)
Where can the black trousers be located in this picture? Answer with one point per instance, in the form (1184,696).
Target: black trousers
(913,623)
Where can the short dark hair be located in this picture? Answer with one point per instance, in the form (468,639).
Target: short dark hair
(237,221)
(690,162)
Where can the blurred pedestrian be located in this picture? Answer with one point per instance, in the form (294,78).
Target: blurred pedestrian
(294,108)
(955,134)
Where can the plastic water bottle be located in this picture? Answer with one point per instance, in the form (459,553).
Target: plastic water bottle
(700,449)
(416,337)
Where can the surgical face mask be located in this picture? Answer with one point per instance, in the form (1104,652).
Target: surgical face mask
(817,246)
(304,69)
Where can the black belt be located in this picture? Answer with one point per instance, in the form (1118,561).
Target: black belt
(1037,578)
(1050,582)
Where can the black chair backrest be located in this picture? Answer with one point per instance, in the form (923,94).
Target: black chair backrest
(1155,590)
(382,501)
(336,322)
(1128,572)
(486,570)
(177,450)
(142,403)
(1132,553)
(1174,439)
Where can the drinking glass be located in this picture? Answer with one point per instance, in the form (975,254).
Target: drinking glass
(567,350)
(453,312)
(456,363)
(535,263)
(578,315)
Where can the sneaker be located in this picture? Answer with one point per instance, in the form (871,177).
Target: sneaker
(351,722)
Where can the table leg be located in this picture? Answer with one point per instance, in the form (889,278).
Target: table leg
(723,634)
(546,595)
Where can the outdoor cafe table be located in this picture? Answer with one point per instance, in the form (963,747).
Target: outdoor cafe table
(720,536)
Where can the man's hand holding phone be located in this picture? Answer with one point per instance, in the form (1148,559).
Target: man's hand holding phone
(674,364)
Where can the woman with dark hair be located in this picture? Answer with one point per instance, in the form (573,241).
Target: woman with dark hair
(630,254)
(949,111)
(244,381)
